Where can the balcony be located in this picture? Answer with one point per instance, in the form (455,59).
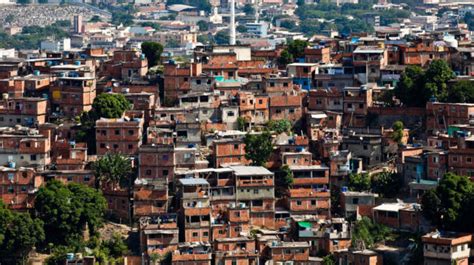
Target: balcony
(255,182)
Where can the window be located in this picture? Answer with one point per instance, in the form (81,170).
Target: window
(230,113)
(361,105)
(23,188)
(130,146)
(33,157)
(11,189)
(165,157)
(102,145)
(278,111)
(298,203)
(115,146)
(205,234)
(221,232)
(355,200)
(198,82)
(349,105)
(292,110)
(272,84)
(236,146)
(130,132)
(87,178)
(365,147)
(255,191)
(165,172)
(195,234)
(69,178)
(313,202)
(305,70)
(468,159)
(455,159)
(117,132)
(285,84)
(148,172)
(237,214)
(28,144)
(260,101)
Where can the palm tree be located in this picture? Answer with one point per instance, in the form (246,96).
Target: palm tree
(113,169)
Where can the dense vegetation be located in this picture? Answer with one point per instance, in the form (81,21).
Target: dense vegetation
(387,184)
(418,86)
(31,36)
(451,205)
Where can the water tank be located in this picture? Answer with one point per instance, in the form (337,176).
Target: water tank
(344,189)
(142,56)
(299,149)
(5,96)
(191,145)
(11,164)
(36,72)
(77,62)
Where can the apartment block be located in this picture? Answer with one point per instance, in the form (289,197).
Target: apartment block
(121,135)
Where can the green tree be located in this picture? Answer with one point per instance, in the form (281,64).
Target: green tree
(116,246)
(279,126)
(113,169)
(410,88)
(359,182)
(241,123)
(95,19)
(108,105)
(329,260)
(249,10)
(152,51)
(366,234)
(241,29)
(296,48)
(461,92)
(285,58)
(397,134)
(258,148)
(203,25)
(283,180)
(66,210)
(18,234)
(172,44)
(450,205)
(387,184)
(222,37)
(437,76)
(122,18)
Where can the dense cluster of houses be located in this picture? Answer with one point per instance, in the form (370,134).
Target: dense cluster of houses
(196,194)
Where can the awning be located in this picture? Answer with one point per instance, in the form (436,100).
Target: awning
(305,224)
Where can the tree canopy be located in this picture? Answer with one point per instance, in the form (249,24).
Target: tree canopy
(203,25)
(249,10)
(66,210)
(112,169)
(388,184)
(451,204)
(417,86)
(108,105)
(18,234)
(366,233)
(222,37)
(258,148)
(397,134)
(152,51)
(359,182)
(279,126)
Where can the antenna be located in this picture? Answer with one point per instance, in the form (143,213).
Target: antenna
(232,23)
